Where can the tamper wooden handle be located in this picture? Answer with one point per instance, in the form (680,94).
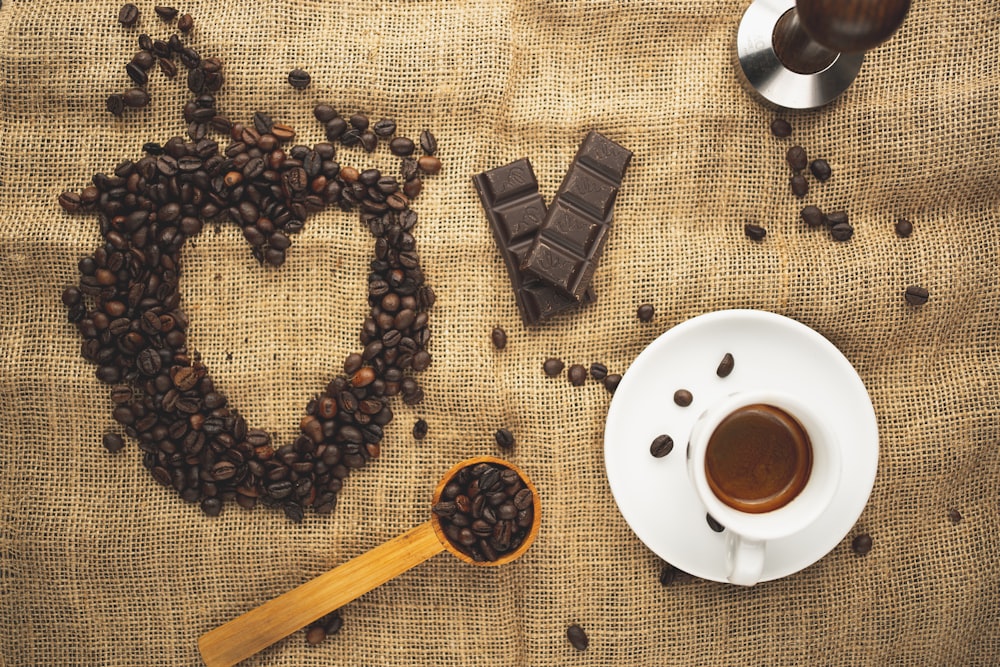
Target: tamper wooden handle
(809,38)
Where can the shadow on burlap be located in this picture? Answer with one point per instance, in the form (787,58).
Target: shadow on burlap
(100,565)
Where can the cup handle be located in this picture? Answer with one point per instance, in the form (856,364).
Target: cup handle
(744,559)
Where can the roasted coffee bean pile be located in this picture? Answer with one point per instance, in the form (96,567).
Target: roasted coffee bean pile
(485,511)
(127,305)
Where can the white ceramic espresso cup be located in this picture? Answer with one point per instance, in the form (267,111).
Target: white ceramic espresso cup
(747,533)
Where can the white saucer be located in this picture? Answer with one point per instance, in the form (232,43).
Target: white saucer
(771,352)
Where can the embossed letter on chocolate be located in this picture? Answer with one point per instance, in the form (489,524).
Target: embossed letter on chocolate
(569,243)
(515,211)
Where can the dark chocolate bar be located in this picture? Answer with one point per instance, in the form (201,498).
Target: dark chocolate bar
(515,211)
(570,240)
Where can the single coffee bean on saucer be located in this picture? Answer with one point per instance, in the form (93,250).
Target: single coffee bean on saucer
(903,228)
(645,312)
(499,338)
(796,158)
(916,295)
(713,524)
(553,367)
(661,446)
(725,366)
(577,637)
(683,397)
(754,232)
(862,544)
(576,375)
(781,128)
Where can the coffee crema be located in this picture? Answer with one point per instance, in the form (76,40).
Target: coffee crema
(758,459)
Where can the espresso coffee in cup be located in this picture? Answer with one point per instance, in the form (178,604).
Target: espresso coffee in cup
(758,458)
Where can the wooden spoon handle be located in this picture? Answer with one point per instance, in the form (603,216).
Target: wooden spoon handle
(257,629)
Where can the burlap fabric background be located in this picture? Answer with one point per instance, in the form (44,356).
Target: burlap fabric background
(100,565)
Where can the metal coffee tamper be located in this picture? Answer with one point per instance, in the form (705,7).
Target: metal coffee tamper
(803,54)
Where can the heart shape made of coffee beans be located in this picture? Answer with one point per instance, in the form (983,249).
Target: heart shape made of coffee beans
(127,305)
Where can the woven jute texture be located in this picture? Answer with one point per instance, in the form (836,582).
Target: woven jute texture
(101,565)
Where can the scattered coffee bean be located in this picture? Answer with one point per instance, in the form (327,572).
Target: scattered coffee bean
(428,144)
(485,511)
(799,185)
(841,232)
(135,98)
(401,147)
(820,169)
(611,382)
(661,446)
(954,515)
(916,295)
(384,127)
(185,23)
(315,634)
(683,397)
(781,128)
(128,15)
(504,438)
(669,574)
(576,375)
(577,637)
(113,442)
(71,202)
(499,338)
(429,164)
(645,312)
(299,79)
(812,216)
(725,366)
(903,228)
(115,104)
(321,628)
(420,429)
(166,13)
(796,158)
(598,371)
(553,367)
(754,232)
(713,524)
(137,74)
(862,544)
(836,218)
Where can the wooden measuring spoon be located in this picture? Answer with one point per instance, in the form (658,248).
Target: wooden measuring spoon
(257,629)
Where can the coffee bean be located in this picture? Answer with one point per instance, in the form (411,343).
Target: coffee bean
(185,23)
(211,506)
(166,13)
(903,228)
(128,15)
(577,637)
(661,446)
(683,397)
(113,442)
(401,146)
(115,104)
(384,127)
(799,185)
(820,169)
(420,429)
(359,121)
(504,438)
(429,164)
(954,515)
(499,338)
(315,634)
(862,544)
(842,232)
(836,218)
(754,232)
(611,382)
(713,524)
(725,366)
(796,158)
(135,98)
(70,201)
(576,375)
(645,312)
(812,216)
(168,68)
(916,295)
(781,128)
(553,367)
(137,74)
(428,144)
(598,371)
(299,79)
